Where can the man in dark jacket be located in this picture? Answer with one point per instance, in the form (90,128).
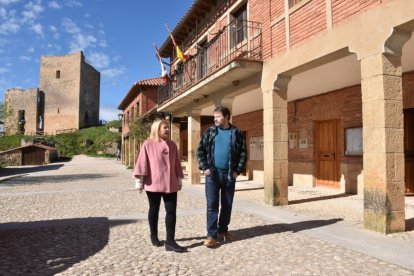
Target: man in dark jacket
(222,156)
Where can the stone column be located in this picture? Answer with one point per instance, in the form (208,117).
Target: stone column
(194,128)
(175,133)
(275,138)
(383,143)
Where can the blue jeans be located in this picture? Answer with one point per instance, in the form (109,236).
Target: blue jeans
(218,187)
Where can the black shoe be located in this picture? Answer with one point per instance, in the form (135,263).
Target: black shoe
(155,241)
(173,246)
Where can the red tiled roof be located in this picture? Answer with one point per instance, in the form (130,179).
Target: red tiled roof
(135,89)
(150,82)
(28,146)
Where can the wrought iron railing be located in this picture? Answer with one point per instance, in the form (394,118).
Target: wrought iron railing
(238,40)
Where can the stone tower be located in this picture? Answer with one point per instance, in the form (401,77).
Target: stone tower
(67,98)
(71,88)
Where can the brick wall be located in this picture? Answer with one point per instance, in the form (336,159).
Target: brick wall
(343,10)
(307,21)
(252,123)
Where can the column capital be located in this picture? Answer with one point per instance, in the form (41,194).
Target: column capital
(281,83)
(193,112)
(395,42)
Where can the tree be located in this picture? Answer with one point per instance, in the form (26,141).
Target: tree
(140,128)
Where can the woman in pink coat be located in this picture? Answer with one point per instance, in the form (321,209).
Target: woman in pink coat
(158,172)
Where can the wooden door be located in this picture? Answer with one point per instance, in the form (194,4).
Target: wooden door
(33,156)
(409,150)
(327,154)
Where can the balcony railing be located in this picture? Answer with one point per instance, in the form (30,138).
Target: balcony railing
(238,40)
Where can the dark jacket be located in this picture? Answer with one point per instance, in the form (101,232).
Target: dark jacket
(238,153)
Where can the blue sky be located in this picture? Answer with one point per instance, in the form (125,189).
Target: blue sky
(116,37)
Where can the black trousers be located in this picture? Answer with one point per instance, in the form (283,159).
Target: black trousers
(170,202)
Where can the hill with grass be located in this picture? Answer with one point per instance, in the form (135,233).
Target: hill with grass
(92,141)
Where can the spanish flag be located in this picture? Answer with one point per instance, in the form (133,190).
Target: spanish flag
(181,56)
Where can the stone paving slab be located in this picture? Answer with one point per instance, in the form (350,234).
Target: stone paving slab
(94,223)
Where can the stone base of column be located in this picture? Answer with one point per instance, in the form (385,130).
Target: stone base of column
(384,222)
(274,196)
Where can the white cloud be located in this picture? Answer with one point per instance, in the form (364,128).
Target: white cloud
(102,43)
(70,26)
(113,72)
(6,2)
(37,28)
(81,42)
(108,113)
(9,26)
(32,11)
(87,15)
(99,60)
(54,5)
(25,58)
(31,49)
(53,29)
(4,70)
(73,3)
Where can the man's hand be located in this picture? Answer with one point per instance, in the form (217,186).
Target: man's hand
(206,172)
(235,175)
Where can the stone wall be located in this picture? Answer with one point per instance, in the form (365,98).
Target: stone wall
(89,95)
(21,99)
(69,93)
(13,158)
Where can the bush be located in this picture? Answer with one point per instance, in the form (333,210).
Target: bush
(90,141)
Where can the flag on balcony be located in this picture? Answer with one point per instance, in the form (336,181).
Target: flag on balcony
(181,56)
(164,74)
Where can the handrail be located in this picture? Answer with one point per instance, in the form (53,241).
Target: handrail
(238,40)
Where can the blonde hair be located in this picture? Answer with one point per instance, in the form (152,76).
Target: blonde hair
(155,128)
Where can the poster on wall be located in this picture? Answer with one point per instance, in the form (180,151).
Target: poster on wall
(353,141)
(256,148)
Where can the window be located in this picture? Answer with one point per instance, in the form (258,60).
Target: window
(294,3)
(58,74)
(238,27)
(202,59)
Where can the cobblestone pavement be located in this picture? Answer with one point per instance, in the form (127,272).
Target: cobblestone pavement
(83,217)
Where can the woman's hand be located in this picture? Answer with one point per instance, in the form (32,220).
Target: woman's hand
(180,183)
(139,185)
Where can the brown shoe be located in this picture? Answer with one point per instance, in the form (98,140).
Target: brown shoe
(225,237)
(210,242)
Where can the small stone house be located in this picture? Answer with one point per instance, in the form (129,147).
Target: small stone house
(33,154)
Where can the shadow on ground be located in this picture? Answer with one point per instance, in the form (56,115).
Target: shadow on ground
(50,247)
(9,171)
(251,232)
(298,201)
(409,224)
(27,180)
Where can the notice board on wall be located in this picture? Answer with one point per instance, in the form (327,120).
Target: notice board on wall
(353,141)
(256,148)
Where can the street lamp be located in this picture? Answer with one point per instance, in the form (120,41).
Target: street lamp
(120,116)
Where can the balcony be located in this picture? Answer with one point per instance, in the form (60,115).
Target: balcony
(238,41)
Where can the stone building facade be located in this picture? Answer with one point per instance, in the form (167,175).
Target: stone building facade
(322,90)
(67,97)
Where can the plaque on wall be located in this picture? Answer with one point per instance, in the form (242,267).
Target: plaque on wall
(353,141)
(256,148)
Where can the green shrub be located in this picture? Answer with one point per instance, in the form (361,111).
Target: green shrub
(90,141)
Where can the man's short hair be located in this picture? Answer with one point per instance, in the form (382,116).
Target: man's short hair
(223,110)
